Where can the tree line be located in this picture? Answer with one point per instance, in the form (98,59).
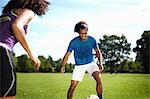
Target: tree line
(24,64)
(115,51)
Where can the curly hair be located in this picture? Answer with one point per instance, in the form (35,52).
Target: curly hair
(39,7)
(80,25)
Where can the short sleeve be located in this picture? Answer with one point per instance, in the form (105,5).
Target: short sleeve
(94,44)
(70,47)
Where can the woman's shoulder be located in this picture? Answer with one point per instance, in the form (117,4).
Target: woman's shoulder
(25,10)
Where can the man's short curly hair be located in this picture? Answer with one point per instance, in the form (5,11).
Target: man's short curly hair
(39,7)
(80,25)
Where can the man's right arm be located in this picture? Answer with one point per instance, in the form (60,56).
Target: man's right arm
(64,61)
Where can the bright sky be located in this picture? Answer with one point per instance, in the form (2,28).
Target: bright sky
(51,34)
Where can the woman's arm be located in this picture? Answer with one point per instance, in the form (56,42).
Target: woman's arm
(19,32)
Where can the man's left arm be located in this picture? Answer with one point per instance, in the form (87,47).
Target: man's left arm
(100,59)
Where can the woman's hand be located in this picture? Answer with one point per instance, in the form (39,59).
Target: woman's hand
(36,62)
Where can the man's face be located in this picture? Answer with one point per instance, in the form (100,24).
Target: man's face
(83,34)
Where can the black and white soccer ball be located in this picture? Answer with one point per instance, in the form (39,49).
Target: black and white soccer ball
(92,96)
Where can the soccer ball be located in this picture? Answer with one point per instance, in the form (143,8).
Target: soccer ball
(92,96)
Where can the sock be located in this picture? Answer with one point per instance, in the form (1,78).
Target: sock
(100,96)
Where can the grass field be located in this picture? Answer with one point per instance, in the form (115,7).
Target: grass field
(55,86)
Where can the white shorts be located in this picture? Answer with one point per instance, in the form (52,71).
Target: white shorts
(79,71)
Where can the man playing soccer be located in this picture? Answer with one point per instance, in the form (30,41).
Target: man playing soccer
(13,27)
(82,46)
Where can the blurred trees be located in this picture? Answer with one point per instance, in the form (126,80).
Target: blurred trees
(24,64)
(115,51)
(143,51)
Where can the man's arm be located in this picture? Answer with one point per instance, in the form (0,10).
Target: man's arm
(64,61)
(100,59)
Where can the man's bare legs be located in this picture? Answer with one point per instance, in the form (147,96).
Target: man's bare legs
(98,84)
(10,97)
(71,89)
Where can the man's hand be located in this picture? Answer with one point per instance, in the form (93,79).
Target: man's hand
(62,70)
(101,67)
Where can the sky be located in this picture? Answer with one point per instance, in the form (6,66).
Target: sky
(50,35)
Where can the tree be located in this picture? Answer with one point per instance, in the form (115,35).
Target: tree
(143,51)
(45,64)
(115,50)
(24,64)
(124,67)
(58,65)
(69,67)
(50,64)
(15,60)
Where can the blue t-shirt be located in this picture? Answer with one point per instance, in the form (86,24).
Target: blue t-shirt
(82,49)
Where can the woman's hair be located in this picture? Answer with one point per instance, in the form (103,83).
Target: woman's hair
(39,7)
(80,25)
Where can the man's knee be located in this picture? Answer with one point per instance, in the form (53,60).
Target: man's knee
(96,75)
(73,84)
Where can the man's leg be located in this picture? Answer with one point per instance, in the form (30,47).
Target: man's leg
(98,84)
(10,97)
(71,89)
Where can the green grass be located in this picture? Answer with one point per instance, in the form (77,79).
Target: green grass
(55,86)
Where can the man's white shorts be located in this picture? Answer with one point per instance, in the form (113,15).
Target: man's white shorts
(79,70)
